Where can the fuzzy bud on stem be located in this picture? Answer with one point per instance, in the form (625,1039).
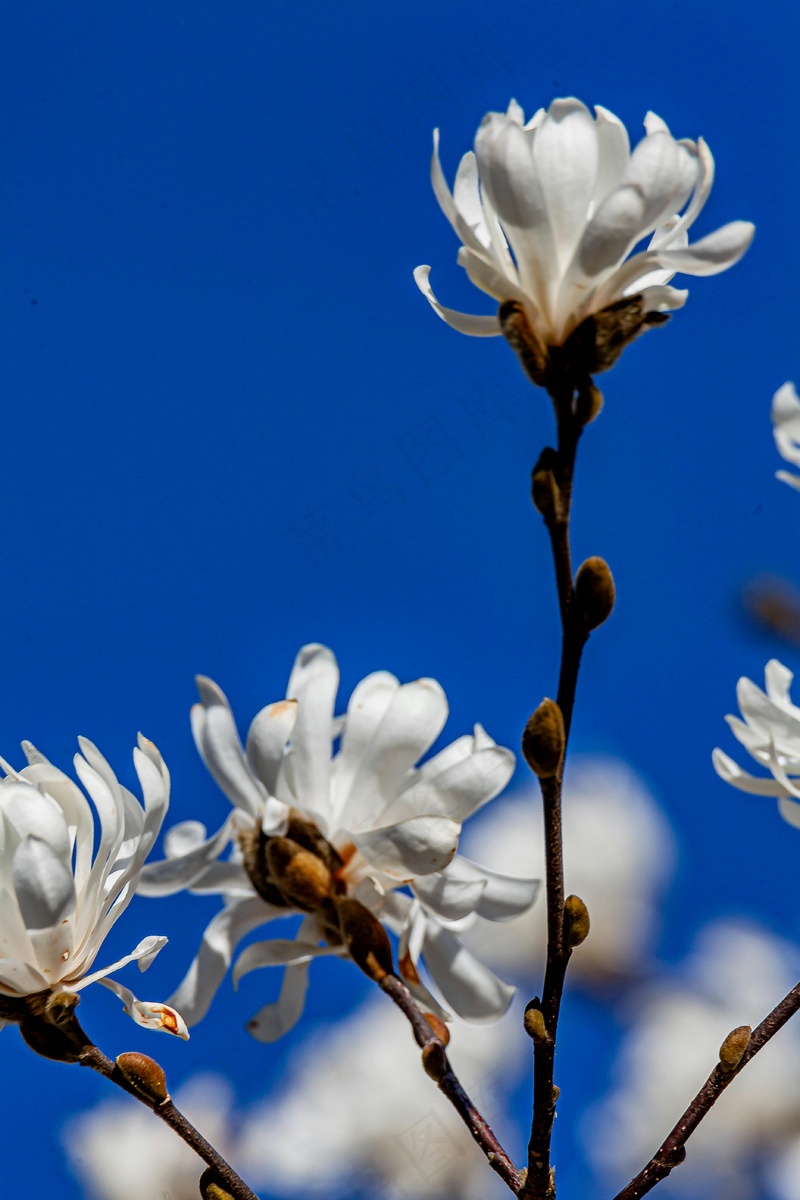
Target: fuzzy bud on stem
(545,492)
(434,1060)
(438,1026)
(544,739)
(594,592)
(533,1022)
(299,874)
(589,402)
(734,1046)
(144,1075)
(577,919)
(366,939)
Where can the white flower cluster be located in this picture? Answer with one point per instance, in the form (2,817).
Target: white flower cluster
(386,829)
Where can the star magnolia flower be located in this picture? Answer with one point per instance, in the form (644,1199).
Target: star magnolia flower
(549,212)
(56,903)
(770,732)
(786,428)
(389,829)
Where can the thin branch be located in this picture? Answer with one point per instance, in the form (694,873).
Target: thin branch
(672,1150)
(94,1058)
(439,1067)
(538,1184)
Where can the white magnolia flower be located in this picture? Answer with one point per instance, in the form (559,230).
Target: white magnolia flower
(770,732)
(393,829)
(786,428)
(549,212)
(57,903)
(735,975)
(619,855)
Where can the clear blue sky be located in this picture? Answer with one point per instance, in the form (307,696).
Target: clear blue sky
(232,425)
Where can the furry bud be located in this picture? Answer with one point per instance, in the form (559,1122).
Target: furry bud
(434,1060)
(366,939)
(533,1021)
(594,592)
(734,1046)
(545,492)
(211,1188)
(144,1075)
(589,402)
(577,919)
(298,873)
(544,739)
(438,1026)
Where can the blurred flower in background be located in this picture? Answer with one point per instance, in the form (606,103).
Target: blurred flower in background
(786,428)
(619,855)
(750,1142)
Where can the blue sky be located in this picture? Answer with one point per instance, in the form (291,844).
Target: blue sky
(232,425)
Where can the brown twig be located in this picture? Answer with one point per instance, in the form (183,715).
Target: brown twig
(672,1150)
(438,1066)
(539,1184)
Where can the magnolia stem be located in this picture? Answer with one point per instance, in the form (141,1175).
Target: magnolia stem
(448,1083)
(672,1150)
(94,1058)
(539,1183)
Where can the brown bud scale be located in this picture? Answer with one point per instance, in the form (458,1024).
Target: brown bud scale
(144,1075)
(544,739)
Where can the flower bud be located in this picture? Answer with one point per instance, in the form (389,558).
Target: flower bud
(438,1026)
(518,332)
(594,592)
(577,920)
(545,492)
(543,740)
(734,1046)
(434,1060)
(299,874)
(533,1022)
(211,1187)
(589,402)
(366,939)
(144,1075)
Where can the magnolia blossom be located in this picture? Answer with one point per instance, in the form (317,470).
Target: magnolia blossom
(770,733)
(388,831)
(786,428)
(619,855)
(736,973)
(57,903)
(549,211)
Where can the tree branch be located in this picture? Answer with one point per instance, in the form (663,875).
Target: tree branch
(672,1150)
(438,1067)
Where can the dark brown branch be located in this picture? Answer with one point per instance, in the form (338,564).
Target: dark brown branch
(438,1066)
(538,1184)
(94,1058)
(672,1150)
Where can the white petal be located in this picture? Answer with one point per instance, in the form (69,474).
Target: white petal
(474,326)
(148,1013)
(732,773)
(173,874)
(565,153)
(218,744)
(280,952)
(613,153)
(32,813)
(789,810)
(143,954)
(617,225)
(472,990)
(457,787)
(43,884)
(365,711)
(313,682)
(487,276)
(447,897)
(19,978)
(712,254)
(504,896)
(269,732)
(412,721)
(194,995)
(786,423)
(274,1020)
(419,846)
